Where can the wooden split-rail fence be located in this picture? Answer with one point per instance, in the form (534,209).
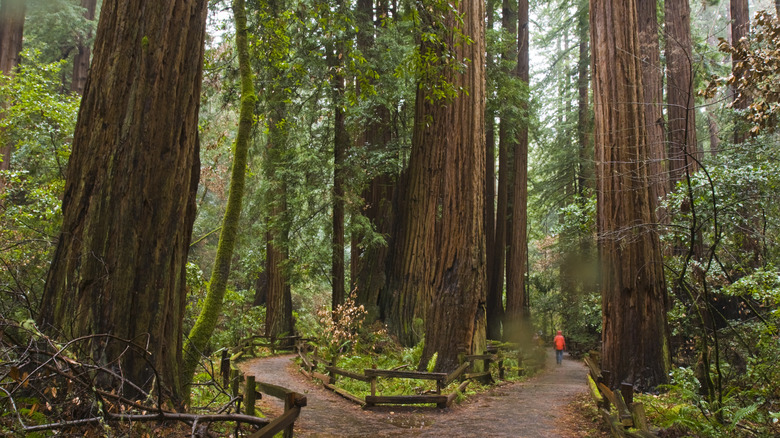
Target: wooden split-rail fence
(318,368)
(627,419)
(253,390)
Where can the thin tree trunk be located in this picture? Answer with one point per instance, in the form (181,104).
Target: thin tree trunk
(456,321)
(583,116)
(740,27)
(516,309)
(340,145)
(680,95)
(495,304)
(129,202)
(11,33)
(201,332)
(81,61)
(279,319)
(634,302)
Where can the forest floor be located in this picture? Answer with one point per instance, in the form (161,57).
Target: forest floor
(554,403)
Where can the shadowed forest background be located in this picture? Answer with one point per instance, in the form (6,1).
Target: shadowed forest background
(390,179)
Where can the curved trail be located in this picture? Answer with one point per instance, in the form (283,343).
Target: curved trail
(526,409)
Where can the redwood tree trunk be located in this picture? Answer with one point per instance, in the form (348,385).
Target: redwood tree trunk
(81,61)
(279,321)
(495,293)
(411,272)
(740,27)
(680,95)
(11,33)
(340,145)
(516,309)
(652,81)
(634,300)
(129,203)
(369,261)
(456,320)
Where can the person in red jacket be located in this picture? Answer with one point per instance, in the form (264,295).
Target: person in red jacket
(560,345)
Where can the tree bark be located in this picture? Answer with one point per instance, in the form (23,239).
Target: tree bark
(680,91)
(81,61)
(369,261)
(456,319)
(279,320)
(129,202)
(11,33)
(584,172)
(652,81)
(495,293)
(340,145)
(740,27)
(201,332)
(516,309)
(634,301)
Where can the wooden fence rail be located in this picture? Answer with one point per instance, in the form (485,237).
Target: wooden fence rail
(311,363)
(293,401)
(628,418)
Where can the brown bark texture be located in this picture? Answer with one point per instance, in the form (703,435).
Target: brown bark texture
(455,322)
(411,275)
(681,112)
(516,310)
(632,283)
(652,84)
(495,304)
(278,319)
(369,261)
(340,145)
(11,33)
(129,203)
(584,127)
(740,27)
(81,60)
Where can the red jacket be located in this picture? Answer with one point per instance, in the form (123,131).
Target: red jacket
(560,343)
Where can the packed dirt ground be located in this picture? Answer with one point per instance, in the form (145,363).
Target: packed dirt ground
(553,403)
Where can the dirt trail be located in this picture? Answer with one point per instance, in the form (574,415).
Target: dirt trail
(527,409)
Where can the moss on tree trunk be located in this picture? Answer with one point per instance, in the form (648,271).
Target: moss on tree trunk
(212,307)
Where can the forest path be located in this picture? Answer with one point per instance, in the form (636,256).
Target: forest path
(532,408)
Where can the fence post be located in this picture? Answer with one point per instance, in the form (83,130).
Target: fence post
(627,391)
(224,368)
(289,403)
(249,396)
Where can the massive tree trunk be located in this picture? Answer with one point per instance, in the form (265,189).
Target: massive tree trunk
(81,61)
(632,284)
(410,279)
(456,320)
(201,332)
(129,203)
(680,91)
(516,309)
(652,82)
(11,33)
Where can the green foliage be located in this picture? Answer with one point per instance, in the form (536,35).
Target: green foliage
(755,75)
(55,28)
(38,121)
